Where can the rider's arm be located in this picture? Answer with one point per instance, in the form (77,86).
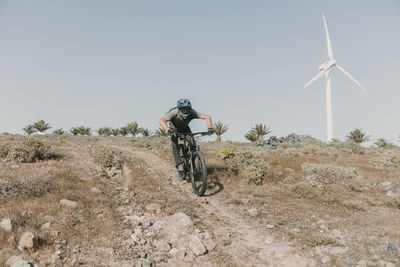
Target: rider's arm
(163,123)
(207,118)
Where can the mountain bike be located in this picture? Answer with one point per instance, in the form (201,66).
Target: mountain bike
(193,162)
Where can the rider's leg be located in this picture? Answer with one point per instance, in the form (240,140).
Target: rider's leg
(175,150)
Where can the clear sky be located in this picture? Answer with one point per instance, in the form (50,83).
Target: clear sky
(106,63)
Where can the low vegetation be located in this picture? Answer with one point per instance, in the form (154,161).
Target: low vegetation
(29,150)
(108,158)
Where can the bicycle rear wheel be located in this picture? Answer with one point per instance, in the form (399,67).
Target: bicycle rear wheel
(198,173)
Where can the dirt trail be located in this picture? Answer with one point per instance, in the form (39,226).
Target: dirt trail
(249,244)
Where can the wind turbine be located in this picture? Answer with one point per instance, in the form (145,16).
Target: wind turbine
(325,68)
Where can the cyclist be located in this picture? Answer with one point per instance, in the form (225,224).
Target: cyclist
(177,120)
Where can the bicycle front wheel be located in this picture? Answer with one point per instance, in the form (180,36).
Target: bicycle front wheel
(198,173)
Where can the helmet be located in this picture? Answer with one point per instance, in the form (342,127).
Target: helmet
(184,106)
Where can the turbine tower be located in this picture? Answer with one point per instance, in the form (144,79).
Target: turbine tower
(325,69)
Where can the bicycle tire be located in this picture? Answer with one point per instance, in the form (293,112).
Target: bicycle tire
(182,175)
(198,173)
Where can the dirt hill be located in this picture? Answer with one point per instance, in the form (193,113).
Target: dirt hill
(117,201)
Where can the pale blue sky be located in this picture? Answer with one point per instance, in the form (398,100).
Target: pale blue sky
(105,63)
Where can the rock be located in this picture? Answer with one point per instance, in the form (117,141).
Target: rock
(11,241)
(13,259)
(325,259)
(338,250)
(196,246)
(337,233)
(162,245)
(45,226)
(153,207)
(252,212)
(95,190)
(392,248)
(14,167)
(23,264)
(28,241)
(245,200)
(26,213)
(390,264)
(387,186)
(207,241)
(324,228)
(5,225)
(179,222)
(178,253)
(270,226)
(68,203)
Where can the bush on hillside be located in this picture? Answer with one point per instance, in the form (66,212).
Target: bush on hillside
(30,150)
(4,150)
(226,152)
(389,159)
(320,175)
(26,188)
(108,158)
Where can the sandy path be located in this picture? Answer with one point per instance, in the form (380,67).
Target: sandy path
(250,245)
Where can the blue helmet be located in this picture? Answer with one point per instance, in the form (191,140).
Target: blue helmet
(184,107)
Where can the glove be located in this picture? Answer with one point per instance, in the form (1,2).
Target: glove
(172,132)
(210,131)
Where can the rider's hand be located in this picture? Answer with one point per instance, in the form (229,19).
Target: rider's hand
(172,132)
(210,131)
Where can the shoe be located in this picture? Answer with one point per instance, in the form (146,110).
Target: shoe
(180,167)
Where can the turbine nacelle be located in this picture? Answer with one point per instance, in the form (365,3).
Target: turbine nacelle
(326,65)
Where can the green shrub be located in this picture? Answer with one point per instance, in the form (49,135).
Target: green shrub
(347,147)
(81,130)
(320,175)
(25,188)
(108,158)
(30,150)
(226,152)
(389,159)
(250,166)
(4,150)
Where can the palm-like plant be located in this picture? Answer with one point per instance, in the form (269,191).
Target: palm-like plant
(161,132)
(357,136)
(133,128)
(83,130)
(261,130)
(251,136)
(382,143)
(74,130)
(145,132)
(58,131)
(41,126)
(124,131)
(104,131)
(115,131)
(29,129)
(219,129)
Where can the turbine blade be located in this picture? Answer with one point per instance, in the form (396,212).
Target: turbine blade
(319,75)
(351,77)
(328,40)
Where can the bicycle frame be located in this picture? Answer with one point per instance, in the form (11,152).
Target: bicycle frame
(189,145)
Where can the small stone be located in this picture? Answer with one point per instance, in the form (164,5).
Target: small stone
(5,225)
(325,259)
(13,259)
(337,233)
(162,245)
(68,203)
(196,246)
(45,226)
(245,200)
(252,212)
(387,186)
(11,241)
(178,253)
(269,240)
(14,167)
(95,190)
(392,248)
(28,241)
(142,242)
(26,213)
(296,230)
(153,207)
(270,226)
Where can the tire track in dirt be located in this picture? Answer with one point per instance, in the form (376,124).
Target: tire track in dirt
(249,243)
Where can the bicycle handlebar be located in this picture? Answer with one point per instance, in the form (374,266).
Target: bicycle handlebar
(192,134)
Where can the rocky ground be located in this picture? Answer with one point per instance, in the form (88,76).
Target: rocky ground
(75,212)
